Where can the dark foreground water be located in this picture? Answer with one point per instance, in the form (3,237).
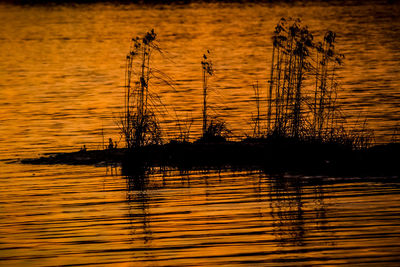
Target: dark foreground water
(61,78)
(54,215)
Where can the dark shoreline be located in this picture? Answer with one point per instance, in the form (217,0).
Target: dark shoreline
(277,156)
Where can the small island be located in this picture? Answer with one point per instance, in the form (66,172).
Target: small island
(303,130)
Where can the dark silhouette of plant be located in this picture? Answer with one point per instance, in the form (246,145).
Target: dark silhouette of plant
(216,131)
(257,118)
(295,111)
(325,111)
(140,125)
(292,43)
(208,71)
(184,128)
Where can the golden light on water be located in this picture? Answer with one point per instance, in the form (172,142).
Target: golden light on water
(69,64)
(62,85)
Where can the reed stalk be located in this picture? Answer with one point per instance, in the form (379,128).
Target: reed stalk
(139,125)
(207,71)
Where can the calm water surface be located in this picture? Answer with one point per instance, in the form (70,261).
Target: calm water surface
(54,216)
(61,78)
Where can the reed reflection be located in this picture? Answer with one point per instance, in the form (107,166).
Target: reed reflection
(138,206)
(291,209)
(294,217)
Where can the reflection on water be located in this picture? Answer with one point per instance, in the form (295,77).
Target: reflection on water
(225,218)
(139,200)
(287,211)
(292,220)
(61,78)
(51,217)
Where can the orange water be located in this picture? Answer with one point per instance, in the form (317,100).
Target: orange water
(56,215)
(62,68)
(61,86)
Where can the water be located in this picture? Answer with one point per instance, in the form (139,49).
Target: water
(61,78)
(90,216)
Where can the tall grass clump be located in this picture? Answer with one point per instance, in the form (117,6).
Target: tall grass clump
(207,71)
(139,124)
(184,128)
(257,118)
(214,129)
(302,91)
(326,116)
(291,55)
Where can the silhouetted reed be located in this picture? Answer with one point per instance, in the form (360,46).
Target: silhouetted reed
(184,128)
(295,110)
(214,130)
(305,129)
(140,125)
(256,120)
